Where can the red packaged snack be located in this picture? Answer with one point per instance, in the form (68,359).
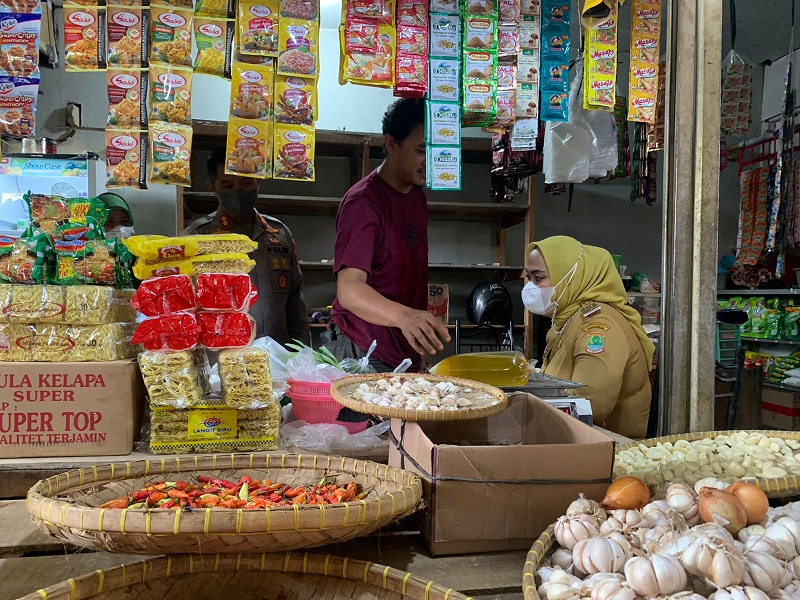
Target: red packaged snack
(172,333)
(225,291)
(220,330)
(164,295)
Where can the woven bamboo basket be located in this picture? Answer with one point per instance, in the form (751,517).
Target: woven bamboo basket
(341,390)
(540,550)
(66,506)
(248,577)
(780,487)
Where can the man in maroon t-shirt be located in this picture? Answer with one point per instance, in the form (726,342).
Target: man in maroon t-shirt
(381,254)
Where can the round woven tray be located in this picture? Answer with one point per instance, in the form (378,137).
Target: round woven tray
(539,551)
(65,506)
(249,576)
(342,388)
(780,487)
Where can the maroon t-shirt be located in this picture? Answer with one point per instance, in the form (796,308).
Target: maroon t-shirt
(385,233)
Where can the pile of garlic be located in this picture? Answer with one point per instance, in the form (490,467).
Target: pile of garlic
(655,554)
(421,394)
(738,455)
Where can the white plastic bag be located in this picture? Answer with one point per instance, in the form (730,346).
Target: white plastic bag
(328,437)
(303,367)
(360,366)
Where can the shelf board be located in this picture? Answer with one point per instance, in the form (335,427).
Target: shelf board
(764,341)
(308,265)
(789,292)
(507,214)
(643,294)
(325,325)
(780,386)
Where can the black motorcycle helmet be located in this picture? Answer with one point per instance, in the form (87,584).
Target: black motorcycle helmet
(489,304)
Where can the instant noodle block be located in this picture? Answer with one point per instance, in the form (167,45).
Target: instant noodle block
(249,148)
(196,265)
(127,36)
(294,152)
(220,330)
(22,260)
(170,154)
(170,95)
(252,90)
(245,378)
(225,291)
(19,45)
(175,379)
(257,33)
(126,156)
(47,342)
(164,296)
(298,47)
(171,36)
(84,38)
(160,248)
(127,90)
(214,41)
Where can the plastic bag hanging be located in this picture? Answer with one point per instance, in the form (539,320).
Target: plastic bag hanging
(360,366)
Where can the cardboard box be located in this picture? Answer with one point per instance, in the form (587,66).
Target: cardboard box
(496,483)
(439,301)
(780,409)
(69,409)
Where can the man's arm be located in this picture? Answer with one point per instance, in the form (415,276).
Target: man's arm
(424,332)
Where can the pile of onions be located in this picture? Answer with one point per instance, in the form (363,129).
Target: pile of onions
(755,501)
(723,508)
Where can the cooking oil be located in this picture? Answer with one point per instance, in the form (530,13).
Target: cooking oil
(506,369)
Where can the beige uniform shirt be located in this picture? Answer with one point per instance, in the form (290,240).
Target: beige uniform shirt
(603,352)
(280,311)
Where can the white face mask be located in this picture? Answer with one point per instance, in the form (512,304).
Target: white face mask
(119,232)
(538,300)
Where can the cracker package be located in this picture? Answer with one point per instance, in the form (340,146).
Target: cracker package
(369,68)
(249,148)
(196,265)
(251,91)
(294,152)
(127,36)
(170,155)
(126,155)
(298,50)
(219,330)
(214,40)
(245,378)
(257,33)
(171,36)
(170,95)
(158,248)
(19,45)
(18,105)
(84,38)
(164,295)
(225,291)
(22,260)
(127,89)
(175,379)
(218,9)
(175,332)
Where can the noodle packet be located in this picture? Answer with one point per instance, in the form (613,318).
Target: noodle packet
(171,36)
(84,38)
(257,32)
(304,10)
(165,295)
(480,33)
(127,37)
(443,125)
(412,13)
(445,80)
(444,167)
(19,45)
(295,100)
(215,9)
(22,260)
(85,262)
(18,105)
(480,66)
(251,91)
(195,265)
(214,41)
(170,155)
(127,89)
(445,36)
(294,152)
(370,68)
(249,148)
(170,95)
(159,248)
(126,156)
(219,330)
(297,47)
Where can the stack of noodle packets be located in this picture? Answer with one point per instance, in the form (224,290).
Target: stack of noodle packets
(368,43)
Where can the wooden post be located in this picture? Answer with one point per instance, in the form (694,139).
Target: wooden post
(180,219)
(529,229)
(365,160)
(502,258)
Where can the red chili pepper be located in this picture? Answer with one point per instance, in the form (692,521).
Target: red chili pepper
(116,503)
(169,504)
(177,494)
(196,493)
(154,497)
(292,493)
(140,495)
(246,479)
(180,485)
(274,498)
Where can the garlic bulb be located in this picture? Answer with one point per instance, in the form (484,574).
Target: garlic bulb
(562,558)
(603,554)
(761,543)
(682,596)
(612,589)
(655,575)
(621,520)
(750,531)
(591,582)
(794,568)
(718,566)
(658,507)
(710,482)
(739,593)
(571,530)
(786,532)
(544,574)
(683,499)
(584,506)
(654,539)
(557,591)
(764,572)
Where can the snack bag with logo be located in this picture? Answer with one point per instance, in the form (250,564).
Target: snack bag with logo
(294,153)
(214,40)
(126,92)
(171,36)
(127,36)
(23,260)
(26,6)
(295,100)
(196,265)
(251,91)
(600,72)
(19,44)
(369,68)
(297,47)
(220,330)
(170,154)
(18,96)
(218,9)
(248,152)
(305,10)
(89,262)
(84,38)
(555,52)
(165,295)
(644,65)
(158,248)
(444,171)
(257,33)
(126,155)
(170,95)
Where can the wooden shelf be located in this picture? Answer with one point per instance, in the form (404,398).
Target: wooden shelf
(781,386)
(506,214)
(789,292)
(308,265)
(325,325)
(765,341)
(643,294)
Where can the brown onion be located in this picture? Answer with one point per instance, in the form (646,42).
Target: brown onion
(716,503)
(755,501)
(628,493)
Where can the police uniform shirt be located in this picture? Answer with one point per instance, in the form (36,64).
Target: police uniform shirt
(280,311)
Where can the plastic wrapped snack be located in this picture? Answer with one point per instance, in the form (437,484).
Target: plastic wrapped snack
(170,154)
(85,262)
(196,265)
(245,378)
(159,248)
(214,41)
(91,304)
(22,260)
(177,380)
(249,148)
(225,291)
(31,303)
(173,333)
(220,330)
(165,295)
(46,342)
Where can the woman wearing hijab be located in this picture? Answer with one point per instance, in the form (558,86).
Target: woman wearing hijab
(596,338)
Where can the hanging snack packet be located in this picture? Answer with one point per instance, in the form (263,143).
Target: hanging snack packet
(304,10)
(295,100)
(126,92)
(527,101)
(528,67)
(171,36)
(361,35)
(600,73)
(215,9)
(445,80)
(447,7)
(85,262)
(412,40)
(18,105)
(445,35)
(412,13)
(509,11)
(506,75)
(506,107)
(479,105)
(480,33)
(19,45)
(22,260)
(481,7)
(257,32)
(530,33)
(480,66)
(170,154)
(297,47)
(214,41)
(508,40)
(251,91)
(294,152)
(444,167)
(411,76)
(170,95)
(127,37)
(554,81)
(249,148)
(181,4)
(26,6)
(84,38)
(644,67)
(531,8)
(370,68)
(443,125)
(126,156)
(364,9)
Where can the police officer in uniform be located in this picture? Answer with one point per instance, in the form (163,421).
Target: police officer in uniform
(280,311)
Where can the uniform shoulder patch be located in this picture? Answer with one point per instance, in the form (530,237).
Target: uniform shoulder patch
(595,343)
(596,325)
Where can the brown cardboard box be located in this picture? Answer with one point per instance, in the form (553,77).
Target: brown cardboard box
(780,409)
(487,498)
(69,409)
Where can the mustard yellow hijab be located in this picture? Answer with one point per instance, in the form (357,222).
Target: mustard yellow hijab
(596,279)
